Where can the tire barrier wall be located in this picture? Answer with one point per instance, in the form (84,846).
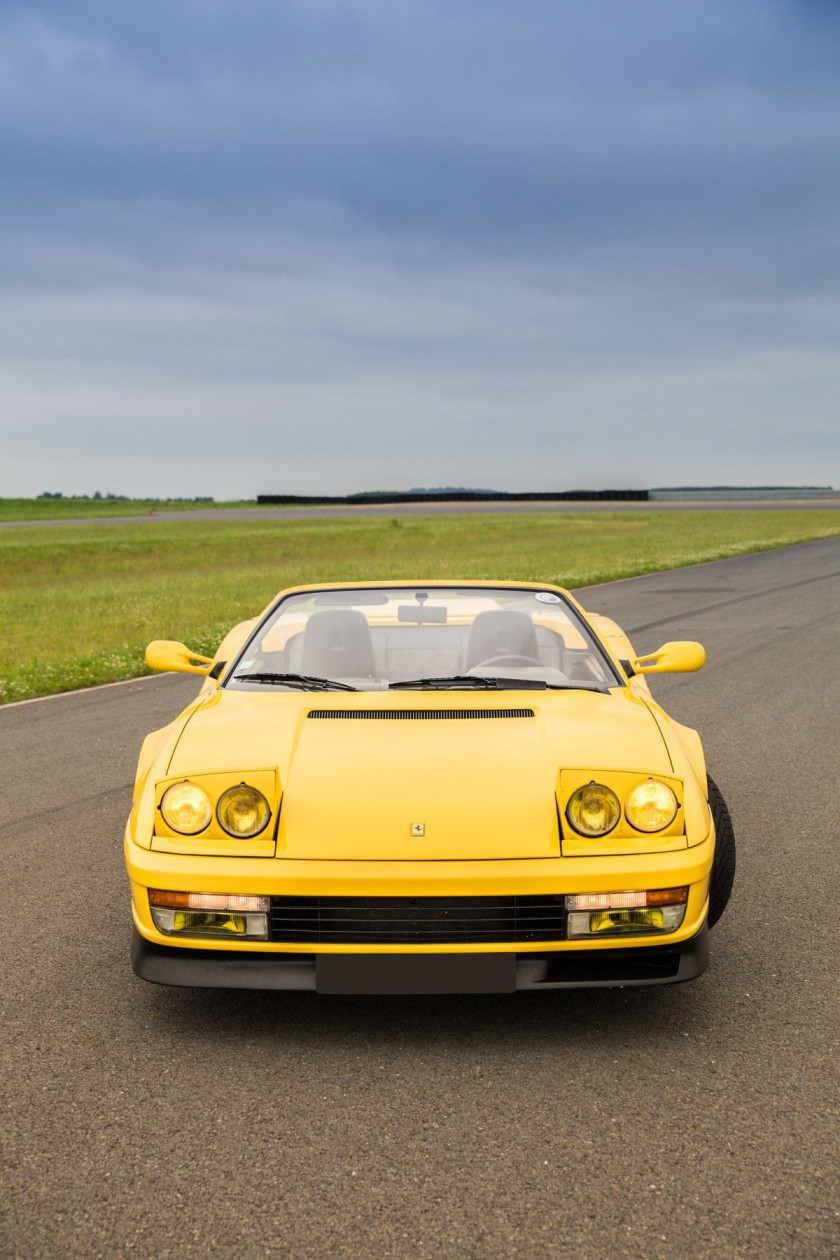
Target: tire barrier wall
(461,496)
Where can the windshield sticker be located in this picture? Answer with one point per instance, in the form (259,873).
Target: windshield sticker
(548,597)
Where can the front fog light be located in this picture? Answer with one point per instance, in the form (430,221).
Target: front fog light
(210,923)
(630,913)
(183,914)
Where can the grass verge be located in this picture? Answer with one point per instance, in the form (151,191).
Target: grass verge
(81,509)
(79,605)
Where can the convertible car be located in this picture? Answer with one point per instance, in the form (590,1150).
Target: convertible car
(440,787)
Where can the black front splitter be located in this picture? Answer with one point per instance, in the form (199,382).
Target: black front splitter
(420,973)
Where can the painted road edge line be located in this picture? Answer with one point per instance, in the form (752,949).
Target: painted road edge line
(81,691)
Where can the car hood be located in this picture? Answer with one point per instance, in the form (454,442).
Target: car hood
(382,776)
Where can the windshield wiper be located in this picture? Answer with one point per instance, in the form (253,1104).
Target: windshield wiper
(464,681)
(475,682)
(306,682)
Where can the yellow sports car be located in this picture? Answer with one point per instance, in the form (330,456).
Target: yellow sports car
(440,787)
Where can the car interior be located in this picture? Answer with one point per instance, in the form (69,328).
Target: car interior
(341,644)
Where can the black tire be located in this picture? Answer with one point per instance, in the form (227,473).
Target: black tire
(723,867)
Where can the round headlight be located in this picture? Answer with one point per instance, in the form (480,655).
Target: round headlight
(593,810)
(243,811)
(186,808)
(650,806)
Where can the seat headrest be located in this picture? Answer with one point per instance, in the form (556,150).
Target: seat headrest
(499,632)
(337,644)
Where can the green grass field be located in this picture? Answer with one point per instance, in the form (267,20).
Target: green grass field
(78,605)
(80,509)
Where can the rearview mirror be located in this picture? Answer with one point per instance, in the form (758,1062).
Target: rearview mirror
(680,657)
(169,654)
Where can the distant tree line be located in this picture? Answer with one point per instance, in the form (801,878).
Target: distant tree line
(124,498)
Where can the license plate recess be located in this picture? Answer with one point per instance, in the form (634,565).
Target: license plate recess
(415,973)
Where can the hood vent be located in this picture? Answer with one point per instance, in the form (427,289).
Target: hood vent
(418,715)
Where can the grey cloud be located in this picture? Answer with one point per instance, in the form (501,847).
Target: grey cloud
(478,120)
(396,234)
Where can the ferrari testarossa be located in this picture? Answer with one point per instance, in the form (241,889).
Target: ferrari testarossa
(439,787)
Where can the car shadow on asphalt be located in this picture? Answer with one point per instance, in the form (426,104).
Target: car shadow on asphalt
(306,1019)
(709,1006)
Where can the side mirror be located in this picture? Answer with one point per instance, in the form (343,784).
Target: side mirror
(168,654)
(681,657)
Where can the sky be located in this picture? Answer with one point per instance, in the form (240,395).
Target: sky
(276,246)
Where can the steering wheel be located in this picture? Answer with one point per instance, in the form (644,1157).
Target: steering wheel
(508,658)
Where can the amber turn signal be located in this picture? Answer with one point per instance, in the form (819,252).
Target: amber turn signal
(207,901)
(627,900)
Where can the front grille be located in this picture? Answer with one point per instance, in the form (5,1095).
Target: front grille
(415,715)
(417,920)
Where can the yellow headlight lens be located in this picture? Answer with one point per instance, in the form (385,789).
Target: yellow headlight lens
(593,810)
(650,806)
(243,811)
(186,808)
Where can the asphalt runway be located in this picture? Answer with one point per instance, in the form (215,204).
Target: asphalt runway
(698,1119)
(489,507)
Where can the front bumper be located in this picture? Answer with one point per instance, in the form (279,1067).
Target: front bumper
(420,972)
(275,964)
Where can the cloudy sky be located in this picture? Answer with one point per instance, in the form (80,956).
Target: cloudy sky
(311,245)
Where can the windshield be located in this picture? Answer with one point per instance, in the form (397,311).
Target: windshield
(372,639)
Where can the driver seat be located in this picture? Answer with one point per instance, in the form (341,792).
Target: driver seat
(500,632)
(337,644)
